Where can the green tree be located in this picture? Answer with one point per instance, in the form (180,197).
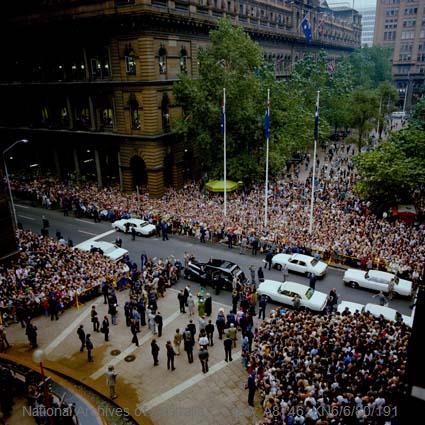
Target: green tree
(371,66)
(232,60)
(418,117)
(388,97)
(313,73)
(363,112)
(393,171)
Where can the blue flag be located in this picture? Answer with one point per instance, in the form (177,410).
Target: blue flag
(307,29)
(267,124)
(222,118)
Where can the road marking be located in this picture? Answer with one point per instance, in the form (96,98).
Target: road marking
(149,405)
(130,349)
(85,221)
(66,332)
(22,206)
(25,216)
(86,233)
(102,235)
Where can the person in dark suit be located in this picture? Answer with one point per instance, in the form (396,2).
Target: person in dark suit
(105,327)
(312,281)
(210,332)
(203,357)
(133,329)
(189,342)
(82,336)
(251,386)
(155,352)
(133,233)
(159,323)
(170,355)
(89,346)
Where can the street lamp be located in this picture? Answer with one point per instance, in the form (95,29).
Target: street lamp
(8,180)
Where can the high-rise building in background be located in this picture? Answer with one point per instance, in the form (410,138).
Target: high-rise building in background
(90,83)
(400,25)
(368,24)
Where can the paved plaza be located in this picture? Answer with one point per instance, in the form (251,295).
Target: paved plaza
(151,394)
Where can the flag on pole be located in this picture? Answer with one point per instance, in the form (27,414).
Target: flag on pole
(222,116)
(306,26)
(316,121)
(267,122)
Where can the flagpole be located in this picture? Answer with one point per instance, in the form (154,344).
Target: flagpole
(266,188)
(313,178)
(224,155)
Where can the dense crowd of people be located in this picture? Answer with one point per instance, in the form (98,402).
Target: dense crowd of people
(330,369)
(46,276)
(343,225)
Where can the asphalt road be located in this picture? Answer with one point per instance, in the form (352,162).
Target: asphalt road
(80,230)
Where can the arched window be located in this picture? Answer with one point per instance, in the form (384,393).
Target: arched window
(134,112)
(162,60)
(183,60)
(130,60)
(165,112)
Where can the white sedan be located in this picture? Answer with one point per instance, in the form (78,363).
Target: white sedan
(376,311)
(285,292)
(108,249)
(375,279)
(300,263)
(142,227)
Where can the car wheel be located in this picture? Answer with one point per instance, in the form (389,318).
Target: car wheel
(278,266)
(188,276)
(269,299)
(354,285)
(117,228)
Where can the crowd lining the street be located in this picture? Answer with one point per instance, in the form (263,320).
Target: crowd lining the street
(343,224)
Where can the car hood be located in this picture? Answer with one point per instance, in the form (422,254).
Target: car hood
(321,267)
(269,285)
(404,286)
(319,299)
(279,258)
(149,228)
(358,274)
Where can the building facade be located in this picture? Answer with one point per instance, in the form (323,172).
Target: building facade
(368,24)
(90,82)
(400,25)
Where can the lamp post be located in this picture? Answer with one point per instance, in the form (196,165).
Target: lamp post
(8,180)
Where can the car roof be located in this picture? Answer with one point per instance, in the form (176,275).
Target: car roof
(288,285)
(387,312)
(302,257)
(381,274)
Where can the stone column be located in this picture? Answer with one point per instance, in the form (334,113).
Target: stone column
(98,169)
(76,163)
(120,171)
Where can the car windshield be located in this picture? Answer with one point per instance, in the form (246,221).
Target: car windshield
(226,264)
(314,261)
(309,293)
(145,223)
(235,271)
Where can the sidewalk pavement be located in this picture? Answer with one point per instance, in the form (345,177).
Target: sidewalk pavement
(151,394)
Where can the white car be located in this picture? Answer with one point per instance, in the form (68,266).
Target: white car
(143,228)
(375,279)
(109,249)
(285,292)
(376,310)
(300,263)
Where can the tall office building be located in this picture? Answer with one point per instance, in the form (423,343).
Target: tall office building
(400,25)
(368,24)
(90,82)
